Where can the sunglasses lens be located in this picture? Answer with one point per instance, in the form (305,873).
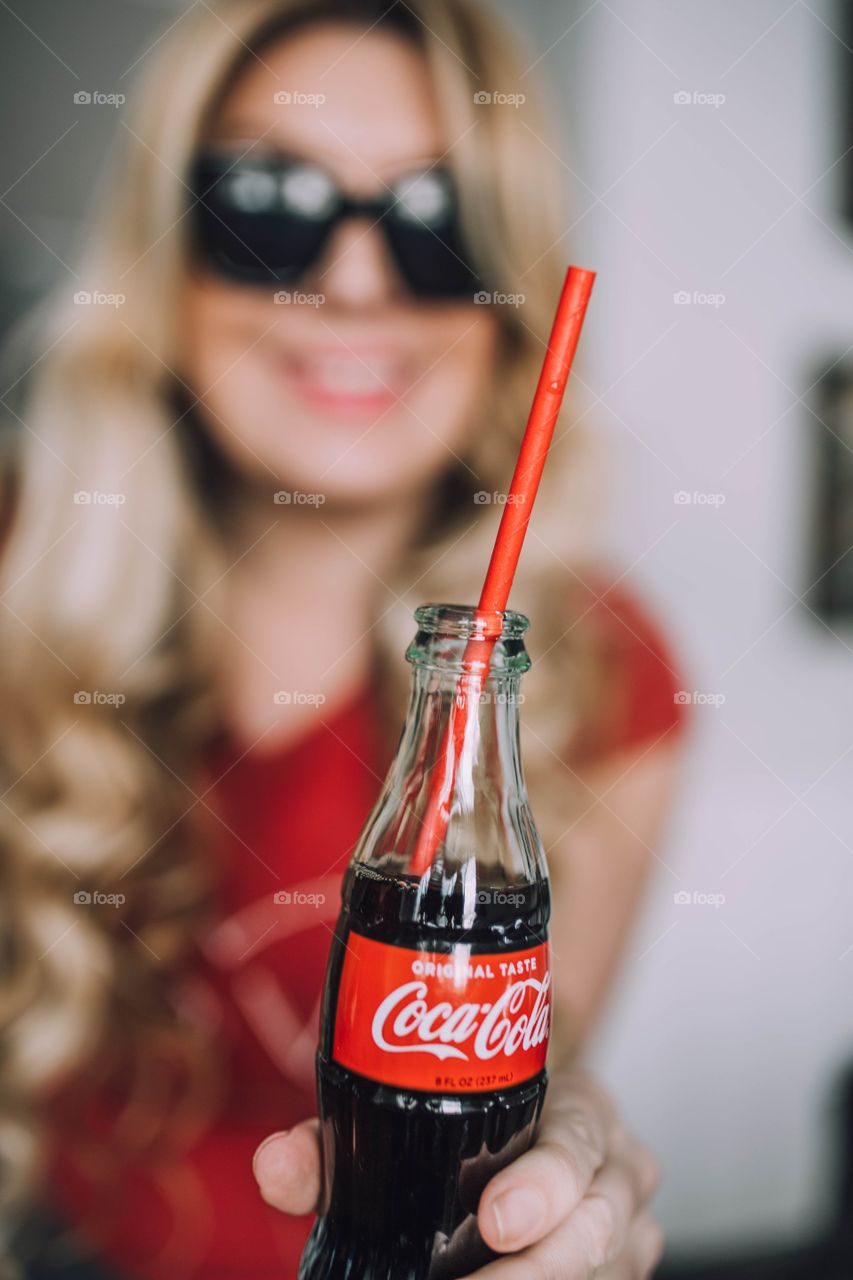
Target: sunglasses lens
(261,223)
(433,266)
(425,199)
(424,230)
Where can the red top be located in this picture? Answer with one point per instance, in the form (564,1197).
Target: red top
(200,1216)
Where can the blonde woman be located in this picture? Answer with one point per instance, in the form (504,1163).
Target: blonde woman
(226,494)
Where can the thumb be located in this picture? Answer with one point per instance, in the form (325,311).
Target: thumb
(287,1168)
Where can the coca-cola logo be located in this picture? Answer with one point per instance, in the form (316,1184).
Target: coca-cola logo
(456,1021)
(404,1022)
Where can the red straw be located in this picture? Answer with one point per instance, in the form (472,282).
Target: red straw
(517,511)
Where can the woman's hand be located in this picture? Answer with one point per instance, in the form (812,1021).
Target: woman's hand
(572,1207)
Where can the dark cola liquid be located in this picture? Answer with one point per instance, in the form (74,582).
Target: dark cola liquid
(404,1169)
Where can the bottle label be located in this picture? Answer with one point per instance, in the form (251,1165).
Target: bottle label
(444,1022)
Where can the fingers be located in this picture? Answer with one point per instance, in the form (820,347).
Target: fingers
(557,1257)
(600,1230)
(287,1168)
(626,1183)
(526,1201)
(643,1251)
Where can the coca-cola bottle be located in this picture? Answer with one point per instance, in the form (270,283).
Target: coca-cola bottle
(431,1064)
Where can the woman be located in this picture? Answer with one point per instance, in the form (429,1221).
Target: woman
(227,493)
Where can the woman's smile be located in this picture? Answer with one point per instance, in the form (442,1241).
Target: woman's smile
(353,381)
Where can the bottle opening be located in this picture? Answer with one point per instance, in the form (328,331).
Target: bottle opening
(466,622)
(446,630)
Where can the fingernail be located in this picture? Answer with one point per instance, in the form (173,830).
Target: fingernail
(270,1138)
(517,1213)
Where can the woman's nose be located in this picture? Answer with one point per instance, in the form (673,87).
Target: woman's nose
(357,269)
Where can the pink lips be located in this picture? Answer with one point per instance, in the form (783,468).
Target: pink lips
(353,381)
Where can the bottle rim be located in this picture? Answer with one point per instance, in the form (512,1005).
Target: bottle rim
(466,621)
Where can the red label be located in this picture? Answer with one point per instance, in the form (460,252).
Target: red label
(443,1022)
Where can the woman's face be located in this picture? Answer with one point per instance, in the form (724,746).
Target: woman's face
(368,395)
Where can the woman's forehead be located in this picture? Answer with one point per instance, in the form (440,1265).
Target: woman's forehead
(361,102)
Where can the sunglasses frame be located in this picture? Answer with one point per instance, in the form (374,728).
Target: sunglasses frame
(417,250)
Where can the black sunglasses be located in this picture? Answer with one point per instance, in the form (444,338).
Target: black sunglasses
(266,221)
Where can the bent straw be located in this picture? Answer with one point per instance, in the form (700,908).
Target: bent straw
(517,511)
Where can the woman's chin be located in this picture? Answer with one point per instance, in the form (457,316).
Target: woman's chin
(350,454)
(347,492)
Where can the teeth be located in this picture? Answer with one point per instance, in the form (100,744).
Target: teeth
(345,374)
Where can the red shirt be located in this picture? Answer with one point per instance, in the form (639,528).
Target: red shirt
(292,817)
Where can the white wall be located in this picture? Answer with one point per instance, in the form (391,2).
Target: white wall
(724,1036)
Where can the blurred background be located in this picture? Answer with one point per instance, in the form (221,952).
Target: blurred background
(707,150)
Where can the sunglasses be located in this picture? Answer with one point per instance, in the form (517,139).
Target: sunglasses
(267,221)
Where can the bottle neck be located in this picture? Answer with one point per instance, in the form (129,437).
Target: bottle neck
(487,834)
(487,764)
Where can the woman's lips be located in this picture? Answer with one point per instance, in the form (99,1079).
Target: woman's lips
(347,381)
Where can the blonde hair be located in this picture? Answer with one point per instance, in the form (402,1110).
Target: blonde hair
(95,800)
